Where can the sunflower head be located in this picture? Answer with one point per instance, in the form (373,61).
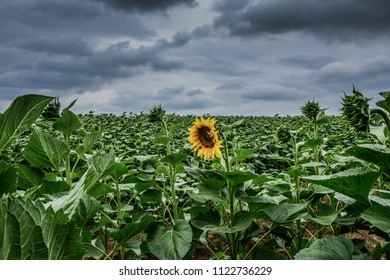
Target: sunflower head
(156,113)
(52,110)
(311,109)
(204,138)
(356,110)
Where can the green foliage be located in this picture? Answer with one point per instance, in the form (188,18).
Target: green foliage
(21,114)
(172,243)
(128,187)
(331,248)
(30,231)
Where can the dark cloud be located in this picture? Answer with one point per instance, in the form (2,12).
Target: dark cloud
(333,19)
(66,46)
(146,6)
(23,20)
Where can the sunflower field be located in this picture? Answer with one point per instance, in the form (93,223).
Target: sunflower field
(157,185)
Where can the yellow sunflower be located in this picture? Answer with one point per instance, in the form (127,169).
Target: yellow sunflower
(204,138)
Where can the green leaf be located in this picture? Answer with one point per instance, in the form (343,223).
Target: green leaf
(100,166)
(212,221)
(385,104)
(67,123)
(284,213)
(19,117)
(118,170)
(88,141)
(326,216)
(76,205)
(44,150)
(172,243)
(29,231)
(237,178)
(174,159)
(8,178)
(29,177)
(355,183)
(331,248)
(208,178)
(132,229)
(378,216)
(377,154)
(151,196)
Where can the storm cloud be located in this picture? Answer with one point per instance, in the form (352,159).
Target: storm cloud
(194,57)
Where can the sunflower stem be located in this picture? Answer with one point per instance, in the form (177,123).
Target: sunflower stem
(383,114)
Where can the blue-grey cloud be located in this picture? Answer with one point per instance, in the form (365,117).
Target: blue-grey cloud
(146,6)
(333,19)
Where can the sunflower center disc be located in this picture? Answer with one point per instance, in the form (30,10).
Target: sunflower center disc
(206,137)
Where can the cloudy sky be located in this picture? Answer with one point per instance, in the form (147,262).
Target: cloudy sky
(231,57)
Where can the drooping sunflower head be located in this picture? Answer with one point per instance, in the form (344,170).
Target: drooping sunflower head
(356,110)
(204,138)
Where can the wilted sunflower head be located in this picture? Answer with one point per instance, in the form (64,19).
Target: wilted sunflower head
(156,113)
(356,110)
(311,110)
(204,138)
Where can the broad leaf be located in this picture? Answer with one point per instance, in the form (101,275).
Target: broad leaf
(211,221)
(29,177)
(19,117)
(172,243)
(284,213)
(326,216)
(378,216)
(44,150)
(100,166)
(331,248)
(174,159)
(67,123)
(355,183)
(77,205)
(8,178)
(377,154)
(132,229)
(208,178)
(29,231)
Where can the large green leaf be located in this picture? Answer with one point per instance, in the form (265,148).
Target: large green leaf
(378,216)
(8,178)
(132,229)
(29,231)
(100,166)
(374,153)
(19,117)
(174,159)
(208,178)
(77,205)
(355,183)
(29,177)
(44,150)
(172,243)
(67,123)
(212,221)
(331,248)
(284,213)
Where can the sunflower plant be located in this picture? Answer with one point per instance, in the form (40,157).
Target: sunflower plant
(227,216)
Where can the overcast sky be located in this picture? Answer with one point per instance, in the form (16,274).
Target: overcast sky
(232,57)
